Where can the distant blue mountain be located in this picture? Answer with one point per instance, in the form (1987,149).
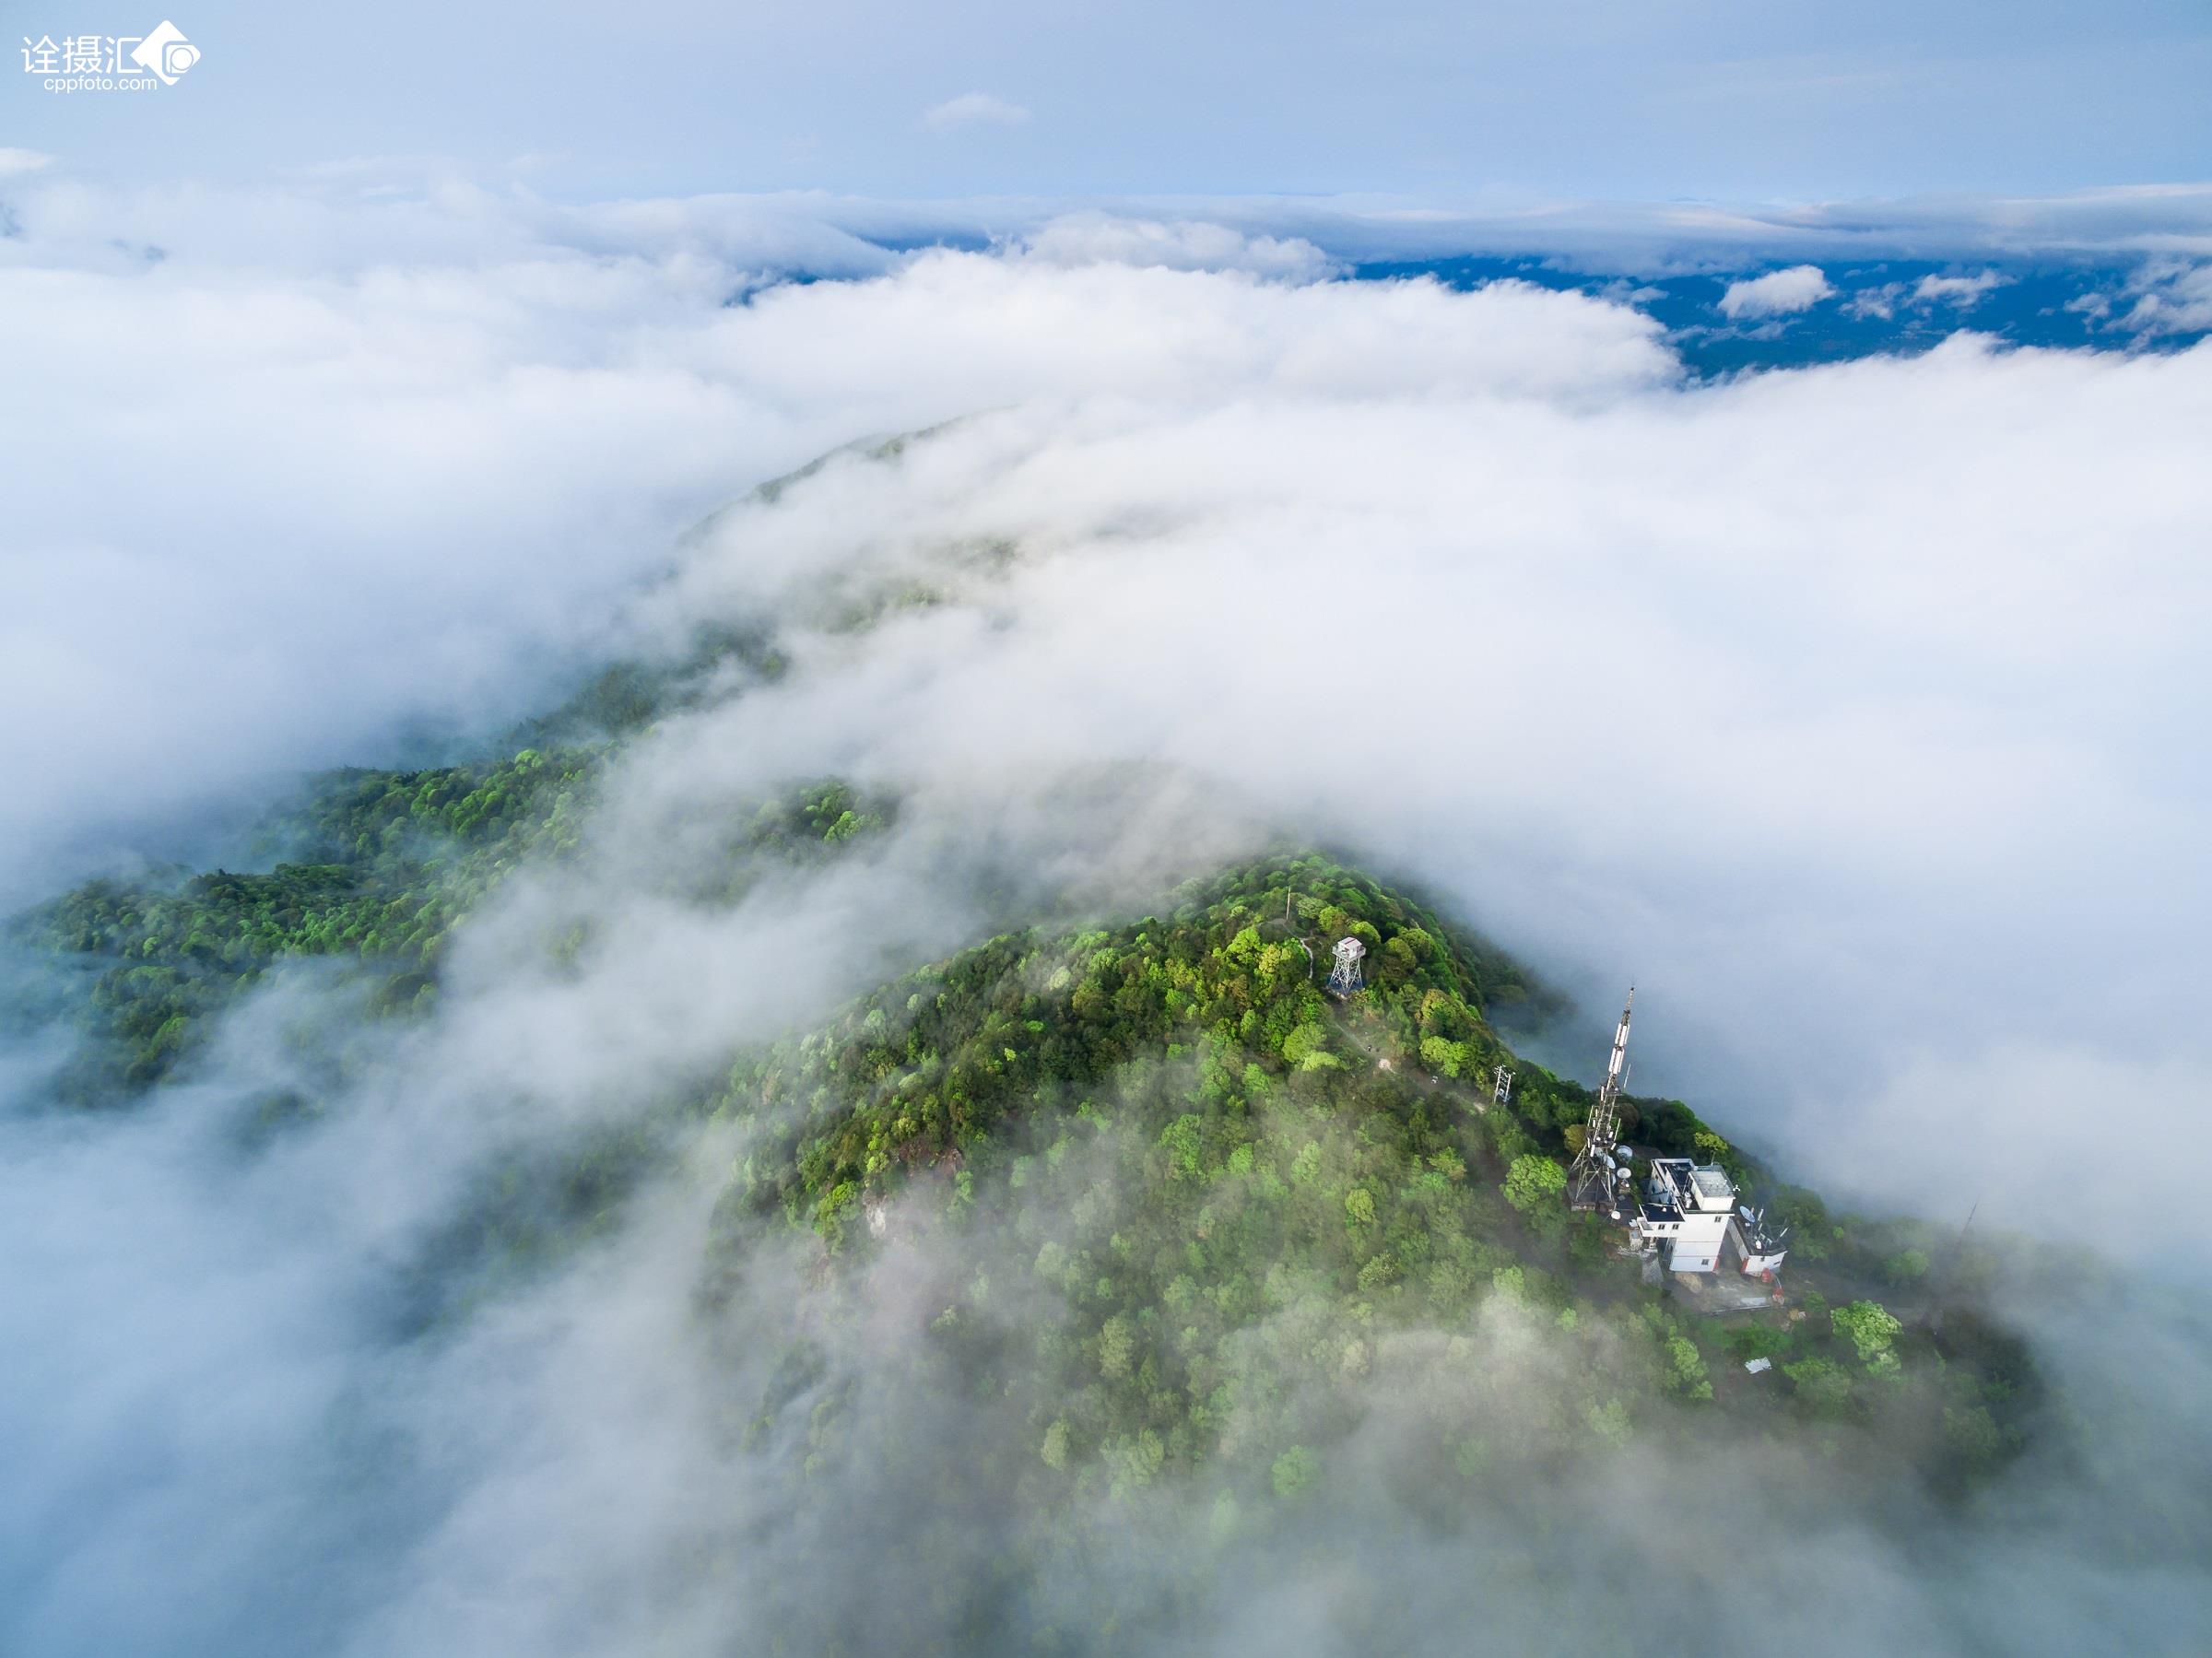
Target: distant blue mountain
(1878,307)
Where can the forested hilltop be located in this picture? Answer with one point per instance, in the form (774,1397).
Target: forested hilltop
(370,870)
(1187,1140)
(1215,1140)
(1144,1216)
(1186,1212)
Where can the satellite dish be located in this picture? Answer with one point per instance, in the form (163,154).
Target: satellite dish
(1624,1154)
(1745,1210)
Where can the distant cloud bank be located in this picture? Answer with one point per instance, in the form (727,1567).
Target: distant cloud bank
(1080,239)
(1776,294)
(1957,290)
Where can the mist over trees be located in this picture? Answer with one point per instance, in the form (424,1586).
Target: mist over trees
(832,1139)
(1111,1255)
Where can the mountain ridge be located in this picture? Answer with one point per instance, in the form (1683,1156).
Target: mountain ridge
(1173,1142)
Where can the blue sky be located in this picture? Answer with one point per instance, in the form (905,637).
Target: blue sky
(1722,99)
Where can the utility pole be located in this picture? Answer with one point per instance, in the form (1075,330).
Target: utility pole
(1950,1274)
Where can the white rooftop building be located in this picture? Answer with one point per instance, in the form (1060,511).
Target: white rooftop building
(1689,1216)
(1686,1214)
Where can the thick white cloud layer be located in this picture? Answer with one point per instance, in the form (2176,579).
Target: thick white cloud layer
(267,511)
(1852,712)
(1836,707)
(1835,703)
(1184,245)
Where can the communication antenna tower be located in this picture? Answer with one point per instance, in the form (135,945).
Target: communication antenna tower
(1501,1087)
(1591,1178)
(1343,978)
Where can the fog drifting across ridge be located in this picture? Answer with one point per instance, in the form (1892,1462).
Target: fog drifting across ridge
(1831,706)
(320,470)
(1851,711)
(370,451)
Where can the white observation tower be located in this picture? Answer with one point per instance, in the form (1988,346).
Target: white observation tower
(1343,978)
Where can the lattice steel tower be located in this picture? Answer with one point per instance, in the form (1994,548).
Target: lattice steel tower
(1343,978)
(1591,1178)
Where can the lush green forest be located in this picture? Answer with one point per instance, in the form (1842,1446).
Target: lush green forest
(1172,1219)
(383,865)
(374,868)
(1202,1210)
(1181,1137)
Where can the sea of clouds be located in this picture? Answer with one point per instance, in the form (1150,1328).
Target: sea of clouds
(1853,713)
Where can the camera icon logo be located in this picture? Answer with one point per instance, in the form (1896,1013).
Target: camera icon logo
(166,53)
